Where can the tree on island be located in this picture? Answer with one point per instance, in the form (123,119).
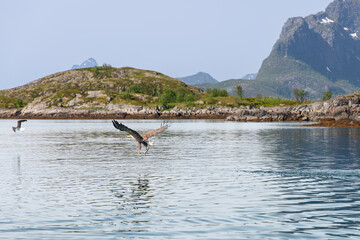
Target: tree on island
(239,92)
(168,96)
(327,95)
(215,92)
(300,95)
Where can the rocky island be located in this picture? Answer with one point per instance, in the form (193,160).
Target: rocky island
(105,93)
(128,93)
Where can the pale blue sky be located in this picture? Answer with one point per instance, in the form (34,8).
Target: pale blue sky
(225,38)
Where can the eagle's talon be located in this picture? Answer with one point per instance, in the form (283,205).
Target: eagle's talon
(147,149)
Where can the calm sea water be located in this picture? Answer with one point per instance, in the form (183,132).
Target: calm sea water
(75,179)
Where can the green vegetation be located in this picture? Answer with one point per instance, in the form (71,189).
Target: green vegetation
(215,92)
(327,95)
(178,96)
(126,96)
(168,96)
(8,102)
(272,102)
(259,101)
(19,103)
(105,71)
(300,95)
(239,92)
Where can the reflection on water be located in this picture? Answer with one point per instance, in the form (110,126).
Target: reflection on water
(202,179)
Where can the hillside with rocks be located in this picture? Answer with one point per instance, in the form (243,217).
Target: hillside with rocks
(107,92)
(94,89)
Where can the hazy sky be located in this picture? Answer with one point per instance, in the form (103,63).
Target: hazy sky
(225,38)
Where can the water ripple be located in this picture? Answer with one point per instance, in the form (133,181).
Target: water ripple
(201,180)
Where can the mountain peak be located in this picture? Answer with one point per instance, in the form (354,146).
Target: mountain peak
(198,78)
(250,76)
(346,13)
(317,52)
(91,62)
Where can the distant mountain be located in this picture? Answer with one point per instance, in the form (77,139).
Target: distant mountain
(198,78)
(317,53)
(250,76)
(91,62)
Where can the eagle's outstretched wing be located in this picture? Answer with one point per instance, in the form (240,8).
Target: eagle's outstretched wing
(133,133)
(155,132)
(19,123)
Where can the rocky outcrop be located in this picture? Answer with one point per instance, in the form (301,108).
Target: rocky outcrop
(336,109)
(9,113)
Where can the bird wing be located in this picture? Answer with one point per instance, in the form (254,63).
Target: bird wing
(133,133)
(154,132)
(19,123)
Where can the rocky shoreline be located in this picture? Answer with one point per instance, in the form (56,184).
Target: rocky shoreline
(338,111)
(112,111)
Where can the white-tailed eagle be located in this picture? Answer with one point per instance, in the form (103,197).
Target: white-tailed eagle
(143,138)
(18,127)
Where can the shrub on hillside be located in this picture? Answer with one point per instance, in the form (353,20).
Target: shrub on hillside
(300,95)
(168,96)
(327,95)
(215,92)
